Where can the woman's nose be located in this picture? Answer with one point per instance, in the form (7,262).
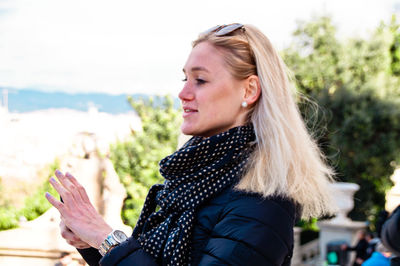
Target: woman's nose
(186,93)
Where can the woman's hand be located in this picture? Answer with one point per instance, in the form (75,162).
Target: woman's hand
(77,213)
(71,238)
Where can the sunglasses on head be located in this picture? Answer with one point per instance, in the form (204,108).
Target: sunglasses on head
(222,30)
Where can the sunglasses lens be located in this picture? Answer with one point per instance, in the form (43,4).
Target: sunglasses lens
(215,28)
(228,29)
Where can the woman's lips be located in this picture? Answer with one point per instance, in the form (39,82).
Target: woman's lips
(188,112)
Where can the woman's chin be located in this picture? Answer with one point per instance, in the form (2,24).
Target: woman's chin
(186,130)
(191,131)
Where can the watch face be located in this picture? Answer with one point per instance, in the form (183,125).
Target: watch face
(120,236)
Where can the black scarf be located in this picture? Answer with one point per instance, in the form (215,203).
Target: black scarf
(201,169)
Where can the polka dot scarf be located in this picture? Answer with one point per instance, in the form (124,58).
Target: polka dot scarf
(201,169)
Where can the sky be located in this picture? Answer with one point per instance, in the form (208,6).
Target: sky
(130,46)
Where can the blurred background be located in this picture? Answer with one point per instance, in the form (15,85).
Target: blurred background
(91,87)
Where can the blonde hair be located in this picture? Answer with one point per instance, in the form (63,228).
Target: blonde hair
(287,161)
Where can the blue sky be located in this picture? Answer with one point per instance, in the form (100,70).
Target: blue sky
(128,46)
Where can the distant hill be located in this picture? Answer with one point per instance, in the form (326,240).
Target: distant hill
(20,101)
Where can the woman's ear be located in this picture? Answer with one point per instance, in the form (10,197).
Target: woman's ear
(252,89)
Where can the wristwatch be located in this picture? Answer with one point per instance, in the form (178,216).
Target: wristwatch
(113,239)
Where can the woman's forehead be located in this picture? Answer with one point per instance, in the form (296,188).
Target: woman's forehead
(204,57)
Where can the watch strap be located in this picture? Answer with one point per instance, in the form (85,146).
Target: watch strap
(108,243)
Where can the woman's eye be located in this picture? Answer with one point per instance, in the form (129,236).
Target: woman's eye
(200,81)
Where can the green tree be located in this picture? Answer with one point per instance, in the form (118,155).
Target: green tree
(363,136)
(35,203)
(353,82)
(136,159)
(395,47)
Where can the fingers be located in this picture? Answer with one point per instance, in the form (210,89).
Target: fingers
(65,232)
(57,204)
(74,196)
(68,234)
(79,187)
(64,193)
(72,186)
(71,238)
(65,181)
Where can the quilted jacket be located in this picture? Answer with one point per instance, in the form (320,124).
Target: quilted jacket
(234,228)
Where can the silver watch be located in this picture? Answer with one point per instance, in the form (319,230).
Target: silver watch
(113,239)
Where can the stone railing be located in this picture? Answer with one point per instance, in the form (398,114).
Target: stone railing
(307,254)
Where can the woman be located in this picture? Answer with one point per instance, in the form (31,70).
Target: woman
(234,191)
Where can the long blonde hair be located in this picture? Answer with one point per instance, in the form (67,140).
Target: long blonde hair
(286,161)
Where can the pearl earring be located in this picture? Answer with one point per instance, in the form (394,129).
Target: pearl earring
(244,104)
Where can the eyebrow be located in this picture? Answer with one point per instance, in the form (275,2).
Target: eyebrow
(199,68)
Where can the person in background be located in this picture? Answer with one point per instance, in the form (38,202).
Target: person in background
(234,191)
(380,257)
(372,242)
(380,220)
(360,248)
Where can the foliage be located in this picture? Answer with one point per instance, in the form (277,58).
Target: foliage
(8,214)
(310,225)
(136,159)
(364,132)
(355,85)
(35,204)
(395,47)
(8,218)
(321,62)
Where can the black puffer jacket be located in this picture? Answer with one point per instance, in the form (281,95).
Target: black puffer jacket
(234,228)
(391,232)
